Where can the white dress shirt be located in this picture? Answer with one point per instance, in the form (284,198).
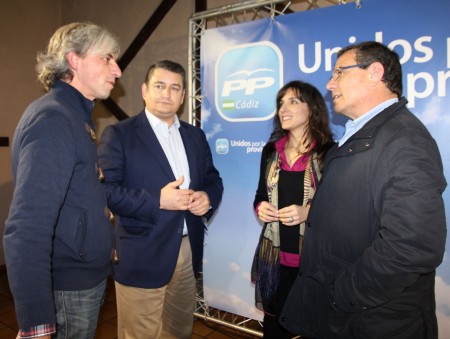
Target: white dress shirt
(170,140)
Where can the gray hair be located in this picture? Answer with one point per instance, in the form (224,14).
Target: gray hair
(76,37)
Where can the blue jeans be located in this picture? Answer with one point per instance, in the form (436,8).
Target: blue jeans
(77,312)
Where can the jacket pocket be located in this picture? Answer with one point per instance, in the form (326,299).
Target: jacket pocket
(71,232)
(130,228)
(326,272)
(81,234)
(322,282)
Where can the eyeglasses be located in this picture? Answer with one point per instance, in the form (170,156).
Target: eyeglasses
(338,71)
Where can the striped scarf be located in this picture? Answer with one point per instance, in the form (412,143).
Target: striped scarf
(266,262)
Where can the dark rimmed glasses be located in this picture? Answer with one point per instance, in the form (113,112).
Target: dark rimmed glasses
(338,71)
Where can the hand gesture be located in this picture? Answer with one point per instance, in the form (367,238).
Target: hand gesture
(293,215)
(199,203)
(267,212)
(174,198)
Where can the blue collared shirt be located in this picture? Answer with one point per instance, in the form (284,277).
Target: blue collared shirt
(353,126)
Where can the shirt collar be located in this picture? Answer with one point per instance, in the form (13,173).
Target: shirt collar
(361,121)
(156,122)
(353,126)
(299,164)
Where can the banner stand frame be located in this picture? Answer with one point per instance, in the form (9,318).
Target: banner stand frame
(223,16)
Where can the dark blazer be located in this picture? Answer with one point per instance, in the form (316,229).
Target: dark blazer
(135,168)
(375,234)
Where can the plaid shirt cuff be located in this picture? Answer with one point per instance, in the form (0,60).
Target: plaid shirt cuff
(37,331)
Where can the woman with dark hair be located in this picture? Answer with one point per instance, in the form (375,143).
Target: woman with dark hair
(291,164)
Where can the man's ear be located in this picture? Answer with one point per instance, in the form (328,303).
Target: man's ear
(376,71)
(72,59)
(182,98)
(144,90)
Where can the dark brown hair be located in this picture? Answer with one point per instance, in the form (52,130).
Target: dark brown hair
(318,129)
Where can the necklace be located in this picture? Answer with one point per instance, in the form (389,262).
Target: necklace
(297,148)
(300,148)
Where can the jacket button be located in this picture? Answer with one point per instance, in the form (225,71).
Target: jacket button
(308,224)
(283,318)
(109,214)
(90,131)
(101,176)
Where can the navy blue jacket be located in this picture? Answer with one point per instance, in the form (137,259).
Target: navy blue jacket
(148,238)
(376,233)
(58,235)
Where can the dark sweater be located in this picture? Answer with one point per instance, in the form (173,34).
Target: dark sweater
(58,235)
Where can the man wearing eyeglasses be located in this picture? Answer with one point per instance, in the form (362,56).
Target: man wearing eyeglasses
(376,228)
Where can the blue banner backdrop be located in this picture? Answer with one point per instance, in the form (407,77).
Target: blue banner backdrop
(243,66)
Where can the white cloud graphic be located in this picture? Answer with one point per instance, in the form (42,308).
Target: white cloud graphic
(206,113)
(231,303)
(434,113)
(246,276)
(216,128)
(234,267)
(213,45)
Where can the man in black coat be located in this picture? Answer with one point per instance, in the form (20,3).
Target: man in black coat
(376,229)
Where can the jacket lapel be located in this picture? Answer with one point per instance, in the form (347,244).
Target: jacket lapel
(151,143)
(191,155)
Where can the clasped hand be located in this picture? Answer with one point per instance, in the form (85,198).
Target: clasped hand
(291,215)
(174,198)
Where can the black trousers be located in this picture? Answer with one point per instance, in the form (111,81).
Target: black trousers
(272,329)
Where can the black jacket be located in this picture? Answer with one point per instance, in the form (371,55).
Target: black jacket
(376,233)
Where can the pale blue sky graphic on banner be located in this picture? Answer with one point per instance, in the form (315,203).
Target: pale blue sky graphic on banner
(255,59)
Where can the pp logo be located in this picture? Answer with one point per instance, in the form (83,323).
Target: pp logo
(247,80)
(222,146)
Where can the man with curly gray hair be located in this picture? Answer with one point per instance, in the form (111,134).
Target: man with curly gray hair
(58,238)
